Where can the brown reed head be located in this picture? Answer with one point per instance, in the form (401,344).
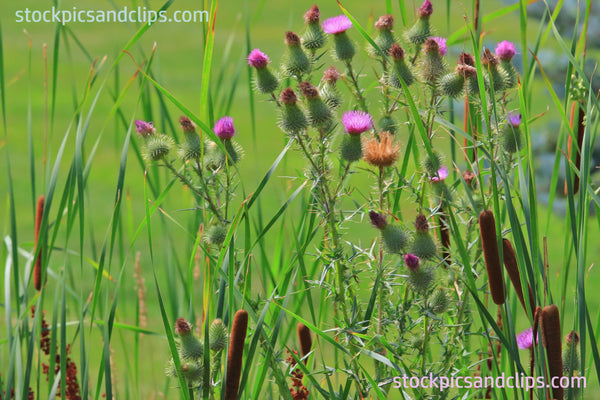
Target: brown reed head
(489,243)
(304,338)
(552,340)
(510,263)
(37,269)
(235,354)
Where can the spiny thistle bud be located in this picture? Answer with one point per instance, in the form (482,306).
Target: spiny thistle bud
(304,338)
(377,220)
(452,84)
(292,119)
(432,163)
(489,243)
(421,224)
(328,90)
(552,341)
(421,279)
(506,51)
(318,112)
(400,70)
(217,335)
(191,148)
(266,82)
(570,355)
(385,38)
(511,133)
(144,129)
(235,354)
(337,26)
(295,62)
(395,238)
(421,30)
(158,147)
(423,245)
(382,152)
(37,269)
(411,261)
(190,347)
(215,234)
(497,76)
(313,37)
(351,148)
(192,371)
(431,65)
(439,302)
(387,124)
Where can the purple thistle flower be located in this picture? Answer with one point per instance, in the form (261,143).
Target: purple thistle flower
(356,122)
(425,10)
(505,50)
(335,25)
(443,49)
(440,175)
(378,220)
(525,339)
(514,119)
(411,261)
(224,128)
(258,59)
(144,128)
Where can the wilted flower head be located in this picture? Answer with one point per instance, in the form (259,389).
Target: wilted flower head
(144,128)
(288,96)
(292,39)
(469,177)
(411,261)
(514,119)
(382,152)
(525,339)
(396,52)
(258,59)
(308,90)
(356,122)
(224,128)
(467,59)
(312,15)
(466,71)
(377,220)
(335,25)
(385,22)
(421,224)
(441,42)
(331,75)
(505,50)
(186,124)
(425,10)
(489,58)
(182,327)
(440,175)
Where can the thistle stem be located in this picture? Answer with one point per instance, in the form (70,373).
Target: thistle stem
(359,96)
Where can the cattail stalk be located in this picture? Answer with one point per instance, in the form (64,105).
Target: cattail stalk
(537,317)
(235,354)
(489,242)
(580,133)
(304,338)
(552,340)
(510,263)
(444,236)
(37,269)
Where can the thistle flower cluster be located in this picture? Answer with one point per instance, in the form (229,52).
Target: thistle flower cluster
(190,350)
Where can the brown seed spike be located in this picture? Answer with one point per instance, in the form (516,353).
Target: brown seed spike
(487,228)
(510,263)
(37,269)
(235,354)
(553,343)
(304,338)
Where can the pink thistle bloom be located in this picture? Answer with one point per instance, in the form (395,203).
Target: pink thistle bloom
(440,175)
(356,122)
(443,49)
(258,59)
(525,339)
(425,10)
(224,128)
(514,119)
(505,50)
(411,261)
(144,128)
(335,25)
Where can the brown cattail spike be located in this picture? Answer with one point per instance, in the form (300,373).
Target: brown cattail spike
(510,263)
(37,269)
(305,339)
(489,242)
(552,339)
(235,354)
